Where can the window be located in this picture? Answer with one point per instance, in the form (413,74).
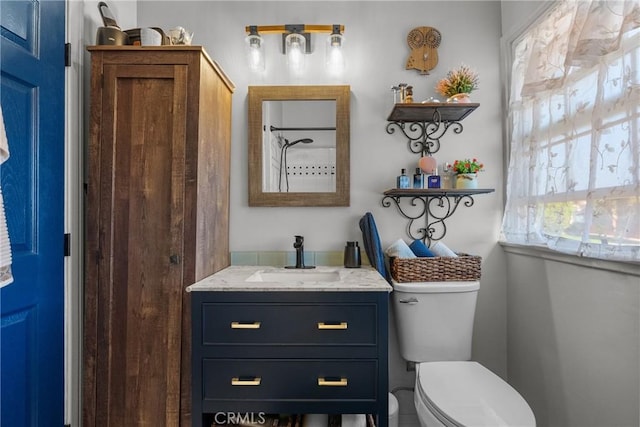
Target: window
(574,125)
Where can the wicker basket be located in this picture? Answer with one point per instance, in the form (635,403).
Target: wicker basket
(436,269)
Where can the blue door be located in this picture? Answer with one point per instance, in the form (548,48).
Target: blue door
(32,180)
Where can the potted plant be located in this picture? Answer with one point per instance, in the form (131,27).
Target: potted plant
(458,84)
(467,173)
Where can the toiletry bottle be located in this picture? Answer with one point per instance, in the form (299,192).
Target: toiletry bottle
(408,98)
(396,93)
(418,179)
(403,92)
(403,180)
(445,178)
(352,255)
(434,179)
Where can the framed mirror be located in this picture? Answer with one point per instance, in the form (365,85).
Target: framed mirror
(299,145)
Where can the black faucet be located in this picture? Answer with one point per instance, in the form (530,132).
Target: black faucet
(299,247)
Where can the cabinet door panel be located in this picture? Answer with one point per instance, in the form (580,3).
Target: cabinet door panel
(295,324)
(289,379)
(140,308)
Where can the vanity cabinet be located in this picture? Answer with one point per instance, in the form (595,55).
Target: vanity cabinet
(157,213)
(289,352)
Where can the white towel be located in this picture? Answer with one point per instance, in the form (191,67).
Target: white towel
(5,245)
(440,249)
(399,249)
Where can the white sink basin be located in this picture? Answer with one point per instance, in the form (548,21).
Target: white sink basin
(294,276)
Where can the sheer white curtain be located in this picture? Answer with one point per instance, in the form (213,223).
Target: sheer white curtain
(574,119)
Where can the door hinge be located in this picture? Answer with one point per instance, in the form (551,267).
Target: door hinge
(67,54)
(67,244)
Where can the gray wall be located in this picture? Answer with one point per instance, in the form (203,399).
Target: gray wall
(573,327)
(376,52)
(573,340)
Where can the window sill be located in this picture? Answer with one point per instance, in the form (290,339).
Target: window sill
(624,267)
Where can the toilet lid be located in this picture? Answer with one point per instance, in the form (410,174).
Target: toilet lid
(468,394)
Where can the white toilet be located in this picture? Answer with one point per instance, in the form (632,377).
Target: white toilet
(434,322)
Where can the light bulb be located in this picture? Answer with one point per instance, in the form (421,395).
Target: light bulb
(334,57)
(254,48)
(295,48)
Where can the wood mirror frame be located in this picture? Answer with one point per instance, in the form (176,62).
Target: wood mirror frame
(257,95)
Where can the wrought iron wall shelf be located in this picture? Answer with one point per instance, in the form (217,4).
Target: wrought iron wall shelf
(435,205)
(424,124)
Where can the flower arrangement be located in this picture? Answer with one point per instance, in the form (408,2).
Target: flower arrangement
(459,80)
(467,166)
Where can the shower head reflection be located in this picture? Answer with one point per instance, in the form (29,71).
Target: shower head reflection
(303,140)
(283,161)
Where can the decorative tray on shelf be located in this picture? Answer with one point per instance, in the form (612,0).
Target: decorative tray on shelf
(431,112)
(421,192)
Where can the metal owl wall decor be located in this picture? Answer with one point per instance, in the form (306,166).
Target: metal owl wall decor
(424,42)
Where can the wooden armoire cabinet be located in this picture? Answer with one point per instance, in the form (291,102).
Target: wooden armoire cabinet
(157,214)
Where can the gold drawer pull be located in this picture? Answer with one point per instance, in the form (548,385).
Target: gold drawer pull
(322,381)
(341,325)
(240,325)
(247,381)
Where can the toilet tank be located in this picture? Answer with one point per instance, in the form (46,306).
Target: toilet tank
(434,320)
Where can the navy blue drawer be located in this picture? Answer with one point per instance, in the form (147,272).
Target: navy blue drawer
(289,379)
(288,324)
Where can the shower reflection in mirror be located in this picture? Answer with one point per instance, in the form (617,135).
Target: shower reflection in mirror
(299,143)
(284,146)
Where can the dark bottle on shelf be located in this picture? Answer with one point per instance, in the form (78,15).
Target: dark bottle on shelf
(418,179)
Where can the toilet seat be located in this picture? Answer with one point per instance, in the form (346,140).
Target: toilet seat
(468,394)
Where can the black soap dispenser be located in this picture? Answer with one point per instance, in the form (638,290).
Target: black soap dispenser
(352,255)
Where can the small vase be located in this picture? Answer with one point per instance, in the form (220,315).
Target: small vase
(467,181)
(460,98)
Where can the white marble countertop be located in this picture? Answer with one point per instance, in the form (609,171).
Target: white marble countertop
(242,279)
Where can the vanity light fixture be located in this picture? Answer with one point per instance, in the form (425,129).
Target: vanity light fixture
(296,43)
